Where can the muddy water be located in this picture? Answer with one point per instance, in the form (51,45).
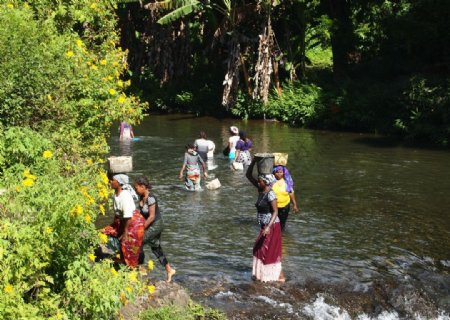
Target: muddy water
(372,239)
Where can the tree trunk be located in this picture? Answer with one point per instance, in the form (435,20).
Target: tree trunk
(342,38)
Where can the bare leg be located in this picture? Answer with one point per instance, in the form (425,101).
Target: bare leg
(170,272)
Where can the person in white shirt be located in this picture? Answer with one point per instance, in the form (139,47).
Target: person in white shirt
(128,224)
(234,138)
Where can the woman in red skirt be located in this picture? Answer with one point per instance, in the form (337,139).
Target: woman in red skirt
(267,248)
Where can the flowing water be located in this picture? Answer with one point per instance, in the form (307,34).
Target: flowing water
(372,240)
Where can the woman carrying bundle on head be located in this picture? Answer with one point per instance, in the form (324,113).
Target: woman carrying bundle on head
(267,248)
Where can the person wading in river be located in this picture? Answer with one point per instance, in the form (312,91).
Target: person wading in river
(154,223)
(284,190)
(267,248)
(191,163)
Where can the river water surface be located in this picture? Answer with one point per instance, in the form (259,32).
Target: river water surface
(372,240)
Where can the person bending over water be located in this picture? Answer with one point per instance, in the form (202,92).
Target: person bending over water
(284,190)
(154,223)
(192,162)
(267,248)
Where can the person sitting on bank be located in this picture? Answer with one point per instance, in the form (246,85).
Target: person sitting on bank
(191,163)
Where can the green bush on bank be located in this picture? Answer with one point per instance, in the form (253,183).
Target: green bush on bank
(192,312)
(59,94)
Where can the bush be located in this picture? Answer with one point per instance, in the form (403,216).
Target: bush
(300,104)
(59,95)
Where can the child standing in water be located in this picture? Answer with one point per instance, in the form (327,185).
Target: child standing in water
(154,224)
(126,131)
(192,162)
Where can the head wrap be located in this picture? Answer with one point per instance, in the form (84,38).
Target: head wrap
(287,177)
(121,179)
(234,129)
(267,178)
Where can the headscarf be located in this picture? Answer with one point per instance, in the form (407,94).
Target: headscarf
(121,179)
(287,177)
(268,179)
(234,130)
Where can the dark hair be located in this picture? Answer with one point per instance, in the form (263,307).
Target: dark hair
(143,181)
(202,134)
(242,135)
(190,146)
(110,175)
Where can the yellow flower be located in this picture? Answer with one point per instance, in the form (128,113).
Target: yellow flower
(18,188)
(103,238)
(112,92)
(151,289)
(89,162)
(103,62)
(115,63)
(150,265)
(10,5)
(78,210)
(94,67)
(91,257)
(128,82)
(69,54)
(47,154)
(122,99)
(110,78)
(104,177)
(28,182)
(123,299)
(8,289)
(102,209)
(93,6)
(129,290)
(120,83)
(88,218)
(118,256)
(133,276)
(49,230)
(114,272)
(27,174)
(79,43)
(49,97)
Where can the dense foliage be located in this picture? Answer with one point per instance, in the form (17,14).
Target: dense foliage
(369,65)
(60,91)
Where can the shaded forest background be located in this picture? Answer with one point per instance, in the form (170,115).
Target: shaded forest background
(360,65)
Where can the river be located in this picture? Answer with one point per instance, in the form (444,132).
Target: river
(372,240)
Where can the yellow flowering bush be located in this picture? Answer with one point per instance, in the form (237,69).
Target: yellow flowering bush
(56,117)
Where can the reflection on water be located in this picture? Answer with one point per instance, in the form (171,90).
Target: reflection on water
(369,214)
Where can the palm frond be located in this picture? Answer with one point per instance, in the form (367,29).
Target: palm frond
(182,8)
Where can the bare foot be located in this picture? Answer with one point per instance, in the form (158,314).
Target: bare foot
(282,279)
(170,273)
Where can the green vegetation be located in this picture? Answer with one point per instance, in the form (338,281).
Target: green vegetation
(192,312)
(366,65)
(60,91)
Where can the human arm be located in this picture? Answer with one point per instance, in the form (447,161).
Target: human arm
(205,170)
(128,209)
(295,209)
(151,214)
(274,206)
(124,236)
(131,132)
(249,174)
(182,171)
